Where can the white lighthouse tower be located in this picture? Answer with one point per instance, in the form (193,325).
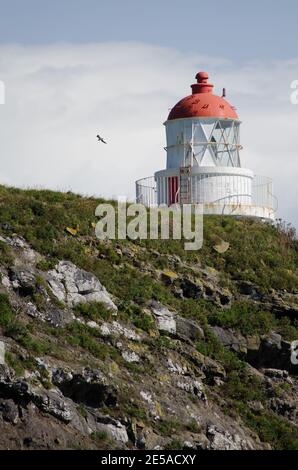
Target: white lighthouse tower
(203,160)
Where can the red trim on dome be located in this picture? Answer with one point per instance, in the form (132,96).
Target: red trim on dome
(202,103)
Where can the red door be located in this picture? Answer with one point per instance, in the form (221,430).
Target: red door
(172,190)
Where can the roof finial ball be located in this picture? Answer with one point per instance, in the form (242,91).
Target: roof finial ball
(202,85)
(202,77)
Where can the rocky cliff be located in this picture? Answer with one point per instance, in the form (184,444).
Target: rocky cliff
(140,344)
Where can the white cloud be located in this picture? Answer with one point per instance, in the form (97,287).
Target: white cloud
(59,96)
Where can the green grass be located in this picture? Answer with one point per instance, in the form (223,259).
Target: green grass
(175,444)
(144,322)
(193,426)
(6,258)
(99,436)
(211,347)
(135,411)
(244,316)
(249,319)
(6,312)
(261,253)
(168,427)
(17,330)
(93,311)
(241,386)
(46,265)
(133,312)
(273,429)
(13,361)
(82,336)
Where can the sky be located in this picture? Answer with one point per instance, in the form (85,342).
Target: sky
(75,68)
(234,29)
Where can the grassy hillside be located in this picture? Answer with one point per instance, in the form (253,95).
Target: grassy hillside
(261,257)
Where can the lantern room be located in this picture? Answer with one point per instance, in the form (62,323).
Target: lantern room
(202,129)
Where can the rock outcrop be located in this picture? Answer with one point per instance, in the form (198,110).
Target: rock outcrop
(73,286)
(173,324)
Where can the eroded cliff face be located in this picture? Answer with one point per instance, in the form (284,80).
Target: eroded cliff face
(130,345)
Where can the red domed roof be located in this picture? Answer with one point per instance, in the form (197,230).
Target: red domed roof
(202,103)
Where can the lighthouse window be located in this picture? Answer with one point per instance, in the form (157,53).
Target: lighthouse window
(223,143)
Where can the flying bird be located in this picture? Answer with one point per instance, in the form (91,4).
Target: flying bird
(100,139)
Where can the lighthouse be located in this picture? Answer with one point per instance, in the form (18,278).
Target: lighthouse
(203,164)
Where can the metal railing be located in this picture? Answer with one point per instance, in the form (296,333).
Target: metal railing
(146,192)
(262,193)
